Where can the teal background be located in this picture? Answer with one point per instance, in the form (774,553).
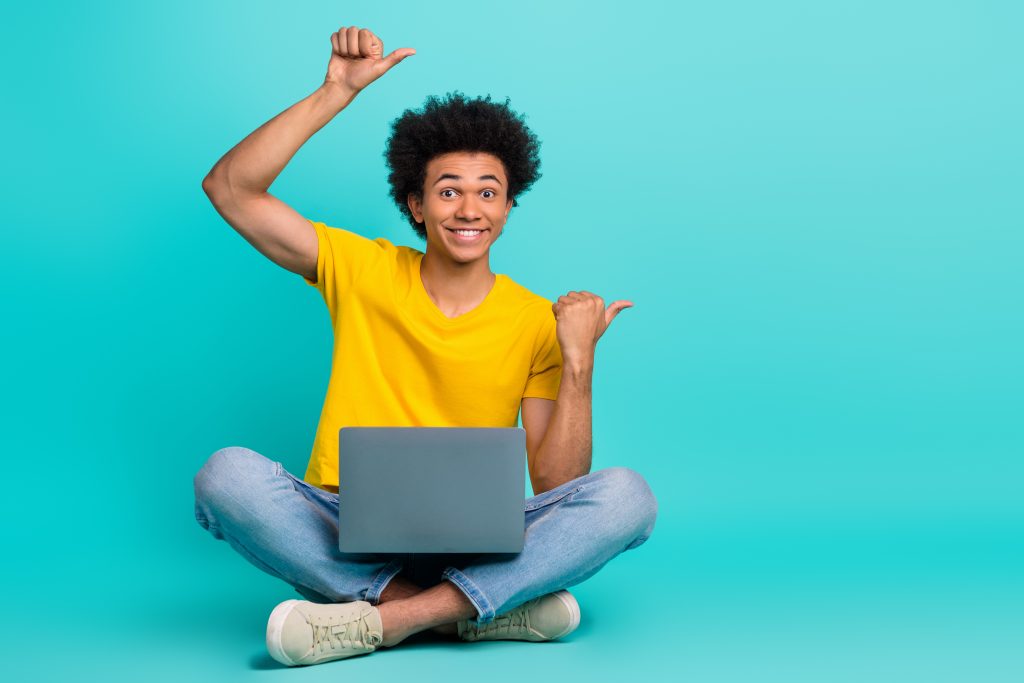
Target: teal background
(815,206)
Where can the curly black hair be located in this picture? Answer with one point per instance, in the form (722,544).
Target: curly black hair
(457,124)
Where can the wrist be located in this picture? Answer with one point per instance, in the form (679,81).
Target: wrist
(578,367)
(335,95)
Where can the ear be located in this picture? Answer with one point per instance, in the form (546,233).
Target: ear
(508,206)
(415,203)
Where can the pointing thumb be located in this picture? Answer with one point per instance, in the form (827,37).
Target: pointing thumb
(397,56)
(614,309)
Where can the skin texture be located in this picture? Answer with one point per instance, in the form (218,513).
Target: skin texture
(457,274)
(357,58)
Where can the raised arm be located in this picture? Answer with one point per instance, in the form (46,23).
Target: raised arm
(559,436)
(238,183)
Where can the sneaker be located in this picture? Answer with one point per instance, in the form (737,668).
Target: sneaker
(548,617)
(301,632)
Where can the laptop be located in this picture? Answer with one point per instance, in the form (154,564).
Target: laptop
(431,489)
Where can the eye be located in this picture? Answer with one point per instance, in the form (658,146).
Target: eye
(447,196)
(491,193)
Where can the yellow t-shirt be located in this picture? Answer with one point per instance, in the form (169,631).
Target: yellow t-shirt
(398,361)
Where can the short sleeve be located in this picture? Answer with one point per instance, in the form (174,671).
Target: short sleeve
(546,368)
(342,257)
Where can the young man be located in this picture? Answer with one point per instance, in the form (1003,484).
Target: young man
(428,338)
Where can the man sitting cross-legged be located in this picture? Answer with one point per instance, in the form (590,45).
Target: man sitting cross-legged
(431,338)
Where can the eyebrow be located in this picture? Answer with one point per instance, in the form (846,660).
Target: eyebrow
(452,176)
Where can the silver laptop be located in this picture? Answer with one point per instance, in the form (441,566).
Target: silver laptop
(431,489)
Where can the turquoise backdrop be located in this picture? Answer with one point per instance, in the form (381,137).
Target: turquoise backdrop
(815,206)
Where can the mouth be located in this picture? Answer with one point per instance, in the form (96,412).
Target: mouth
(466,235)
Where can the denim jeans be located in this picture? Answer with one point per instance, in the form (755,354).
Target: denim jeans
(289,529)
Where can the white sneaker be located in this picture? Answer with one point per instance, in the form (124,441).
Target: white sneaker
(300,632)
(548,617)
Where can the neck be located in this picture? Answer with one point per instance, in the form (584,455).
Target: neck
(454,287)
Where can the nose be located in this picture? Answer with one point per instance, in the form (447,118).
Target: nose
(468,209)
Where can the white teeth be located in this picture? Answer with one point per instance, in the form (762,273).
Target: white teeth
(468,233)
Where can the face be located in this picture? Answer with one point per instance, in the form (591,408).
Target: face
(467,192)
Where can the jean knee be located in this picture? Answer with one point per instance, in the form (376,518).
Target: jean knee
(227,474)
(636,502)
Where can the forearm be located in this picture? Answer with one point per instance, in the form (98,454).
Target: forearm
(253,164)
(565,452)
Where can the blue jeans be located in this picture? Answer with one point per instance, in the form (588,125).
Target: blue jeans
(289,529)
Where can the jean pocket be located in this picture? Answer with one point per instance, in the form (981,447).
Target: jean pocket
(550,497)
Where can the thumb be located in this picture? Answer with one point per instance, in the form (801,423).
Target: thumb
(397,56)
(613,310)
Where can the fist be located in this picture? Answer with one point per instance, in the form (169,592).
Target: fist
(581,320)
(357,58)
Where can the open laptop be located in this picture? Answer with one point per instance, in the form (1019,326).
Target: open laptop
(431,489)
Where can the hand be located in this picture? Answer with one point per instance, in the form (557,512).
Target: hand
(356,59)
(581,320)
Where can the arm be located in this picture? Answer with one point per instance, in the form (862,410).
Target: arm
(559,435)
(238,183)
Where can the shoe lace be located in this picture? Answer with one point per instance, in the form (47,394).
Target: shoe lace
(517,620)
(340,632)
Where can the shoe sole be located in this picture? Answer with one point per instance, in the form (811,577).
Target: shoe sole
(574,612)
(275,626)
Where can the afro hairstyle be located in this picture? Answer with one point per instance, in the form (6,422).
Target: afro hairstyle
(457,124)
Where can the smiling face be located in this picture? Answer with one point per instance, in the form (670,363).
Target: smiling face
(465,204)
